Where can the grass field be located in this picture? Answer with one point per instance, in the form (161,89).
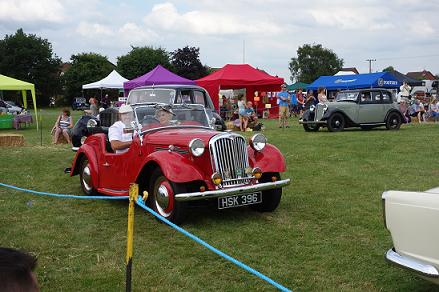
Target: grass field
(326,235)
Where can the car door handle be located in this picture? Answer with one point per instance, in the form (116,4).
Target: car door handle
(106,164)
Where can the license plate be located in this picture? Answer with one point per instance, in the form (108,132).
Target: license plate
(239,200)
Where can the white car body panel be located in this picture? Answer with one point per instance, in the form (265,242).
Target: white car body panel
(412,218)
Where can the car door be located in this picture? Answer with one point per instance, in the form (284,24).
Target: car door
(371,107)
(116,171)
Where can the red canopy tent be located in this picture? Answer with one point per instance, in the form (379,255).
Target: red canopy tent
(235,76)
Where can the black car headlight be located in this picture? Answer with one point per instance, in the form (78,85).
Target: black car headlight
(196,146)
(258,142)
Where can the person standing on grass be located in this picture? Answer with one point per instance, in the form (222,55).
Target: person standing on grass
(300,102)
(294,103)
(321,96)
(283,99)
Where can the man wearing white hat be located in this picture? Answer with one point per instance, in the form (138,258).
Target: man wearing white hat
(121,141)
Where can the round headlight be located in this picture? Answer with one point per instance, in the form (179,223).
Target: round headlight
(196,147)
(325,108)
(258,141)
(312,108)
(91,123)
(216,178)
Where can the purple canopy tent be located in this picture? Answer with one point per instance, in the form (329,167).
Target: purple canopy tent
(156,76)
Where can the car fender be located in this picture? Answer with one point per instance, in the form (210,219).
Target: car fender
(394,111)
(308,115)
(174,166)
(330,112)
(270,159)
(88,152)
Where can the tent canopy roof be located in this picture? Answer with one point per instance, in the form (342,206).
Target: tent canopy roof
(158,75)
(9,83)
(380,79)
(239,75)
(297,85)
(113,80)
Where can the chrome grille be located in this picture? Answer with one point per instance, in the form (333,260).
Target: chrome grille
(319,112)
(229,158)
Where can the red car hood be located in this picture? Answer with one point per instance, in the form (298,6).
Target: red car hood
(179,136)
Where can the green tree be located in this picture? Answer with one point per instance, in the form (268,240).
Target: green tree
(85,68)
(30,58)
(312,62)
(389,69)
(187,64)
(141,60)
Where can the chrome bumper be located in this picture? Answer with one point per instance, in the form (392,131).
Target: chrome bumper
(232,191)
(411,264)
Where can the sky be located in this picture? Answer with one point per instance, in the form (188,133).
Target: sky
(264,33)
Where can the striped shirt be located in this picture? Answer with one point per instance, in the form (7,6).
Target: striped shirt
(64,123)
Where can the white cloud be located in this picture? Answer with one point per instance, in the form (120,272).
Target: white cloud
(31,11)
(166,17)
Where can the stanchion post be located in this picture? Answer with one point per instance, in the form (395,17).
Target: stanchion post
(134,192)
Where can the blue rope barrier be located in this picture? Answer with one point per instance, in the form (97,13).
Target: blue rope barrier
(211,248)
(142,205)
(65,196)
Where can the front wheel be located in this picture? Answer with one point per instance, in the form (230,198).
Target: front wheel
(393,121)
(311,127)
(336,123)
(162,198)
(270,198)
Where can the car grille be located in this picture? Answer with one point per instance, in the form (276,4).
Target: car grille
(319,112)
(230,159)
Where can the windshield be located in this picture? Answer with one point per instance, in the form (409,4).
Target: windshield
(160,115)
(156,95)
(346,96)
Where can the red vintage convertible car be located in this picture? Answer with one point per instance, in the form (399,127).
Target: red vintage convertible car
(184,163)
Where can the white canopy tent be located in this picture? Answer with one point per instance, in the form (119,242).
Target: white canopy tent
(113,81)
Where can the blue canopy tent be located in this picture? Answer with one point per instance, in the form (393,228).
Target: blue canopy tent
(354,81)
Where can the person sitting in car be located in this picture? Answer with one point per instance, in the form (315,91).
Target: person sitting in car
(121,140)
(365,97)
(164,115)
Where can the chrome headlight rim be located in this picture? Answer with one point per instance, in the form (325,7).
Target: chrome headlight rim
(258,142)
(92,123)
(197,147)
(312,108)
(325,107)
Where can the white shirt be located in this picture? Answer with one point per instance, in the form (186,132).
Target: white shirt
(405,90)
(115,132)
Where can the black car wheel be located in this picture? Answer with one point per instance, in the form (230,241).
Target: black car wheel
(270,198)
(311,127)
(162,200)
(336,122)
(393,121)
(86,178)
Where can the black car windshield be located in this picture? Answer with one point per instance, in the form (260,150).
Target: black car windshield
(161,115)
(156,95)
(346,96)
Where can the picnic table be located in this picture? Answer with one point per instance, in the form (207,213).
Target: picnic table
(25,119)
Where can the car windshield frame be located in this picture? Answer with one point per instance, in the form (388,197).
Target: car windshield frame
(351,96)
(149,95)
(175,122)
